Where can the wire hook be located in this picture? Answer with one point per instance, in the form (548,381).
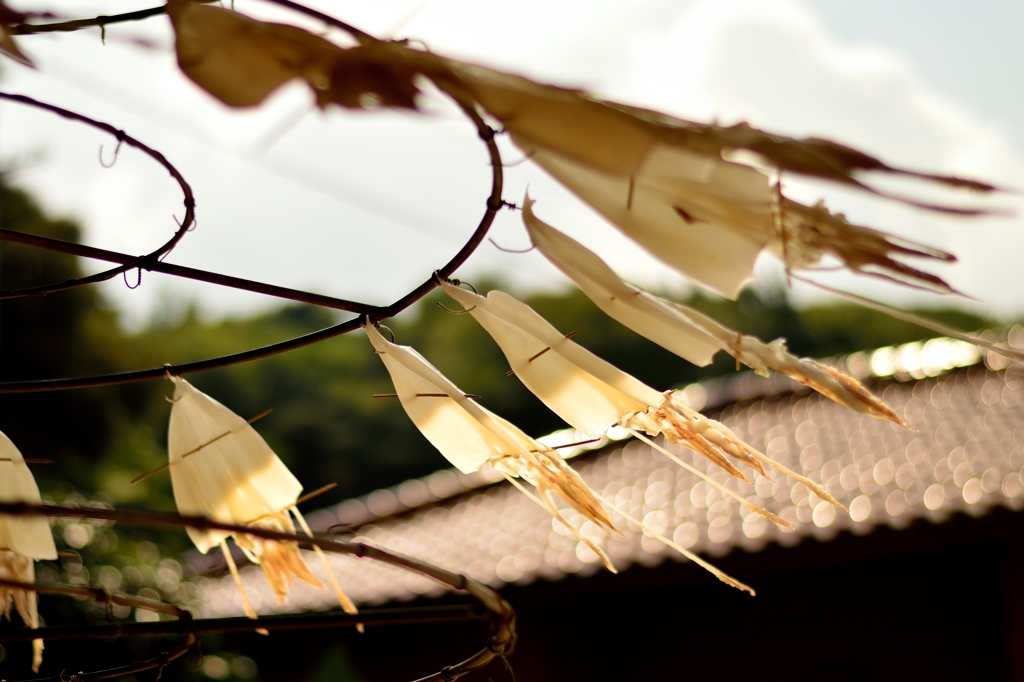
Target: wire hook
(454,282)
(459,283)
(454,312)
(340,529)
(117,150)
(195,222)
(378,325)
(138,282)
(502,248)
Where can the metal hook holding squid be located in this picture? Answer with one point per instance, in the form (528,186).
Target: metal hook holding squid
(377,325)
(458,283)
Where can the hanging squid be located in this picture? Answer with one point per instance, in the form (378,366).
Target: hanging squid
(223,470)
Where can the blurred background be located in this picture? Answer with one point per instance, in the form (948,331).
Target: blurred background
(319,201)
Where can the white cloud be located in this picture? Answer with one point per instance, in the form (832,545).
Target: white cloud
(774,64)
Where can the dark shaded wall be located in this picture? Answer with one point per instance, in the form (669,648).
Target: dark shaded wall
(924,603)
(930,602)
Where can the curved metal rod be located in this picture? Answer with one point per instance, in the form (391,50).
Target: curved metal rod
(160,661)
(122,137)
(503,619)
(146,263)
(328,620)
(357,33)
(79,24)
(104,20)
(47,289)
(494,204)
(102,596)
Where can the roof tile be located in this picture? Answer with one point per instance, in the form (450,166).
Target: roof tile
(965,456)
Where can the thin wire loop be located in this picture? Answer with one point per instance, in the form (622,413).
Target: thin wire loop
(138,282)
(454,312)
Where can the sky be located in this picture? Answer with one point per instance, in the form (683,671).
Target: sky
(364,205)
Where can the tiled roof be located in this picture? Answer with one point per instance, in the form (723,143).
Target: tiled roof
(966,455)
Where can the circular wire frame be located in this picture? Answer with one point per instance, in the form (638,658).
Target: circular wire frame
(502,639)
(102,596)
(494,204)
(122,138)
